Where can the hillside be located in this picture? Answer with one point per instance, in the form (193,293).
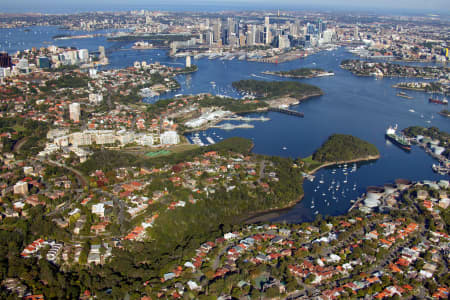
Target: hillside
(341,147)
(274,89)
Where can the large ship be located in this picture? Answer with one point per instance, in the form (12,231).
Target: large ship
(438,101)
(398,139)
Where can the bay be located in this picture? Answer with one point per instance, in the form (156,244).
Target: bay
(360,106)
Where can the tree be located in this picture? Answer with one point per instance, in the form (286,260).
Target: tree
(272,292)
(310,279)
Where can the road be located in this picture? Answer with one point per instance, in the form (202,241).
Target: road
(19,144)
(80,177)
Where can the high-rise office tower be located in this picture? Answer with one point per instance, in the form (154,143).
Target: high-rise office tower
(267,36)
(217,28)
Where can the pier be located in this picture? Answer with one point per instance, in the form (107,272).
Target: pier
(287,111)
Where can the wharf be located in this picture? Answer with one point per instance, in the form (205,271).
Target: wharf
(357,202)
(287,111)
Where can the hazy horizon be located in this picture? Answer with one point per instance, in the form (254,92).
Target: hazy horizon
(382,6)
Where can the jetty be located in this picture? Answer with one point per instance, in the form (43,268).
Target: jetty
(287,111)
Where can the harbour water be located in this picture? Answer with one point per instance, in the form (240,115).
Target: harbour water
(360,106)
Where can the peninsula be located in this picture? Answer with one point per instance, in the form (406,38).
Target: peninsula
(301,73)
(338,149)
(429,87)
(380,69)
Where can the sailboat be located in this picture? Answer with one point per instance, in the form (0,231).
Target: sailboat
(321,179)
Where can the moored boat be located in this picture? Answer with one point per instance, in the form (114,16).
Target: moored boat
(438,101)
(398,139)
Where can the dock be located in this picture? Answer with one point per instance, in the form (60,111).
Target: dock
(287,111)
(357,202)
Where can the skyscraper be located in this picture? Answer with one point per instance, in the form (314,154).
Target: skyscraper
(5,60)
(188,61)
(217,27)
(74,112)
(101,49)
(267,36)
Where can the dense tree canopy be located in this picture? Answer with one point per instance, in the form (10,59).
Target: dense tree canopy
(341,147)
(272,89)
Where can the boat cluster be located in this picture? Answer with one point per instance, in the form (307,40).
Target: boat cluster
(336,188)
(197,139)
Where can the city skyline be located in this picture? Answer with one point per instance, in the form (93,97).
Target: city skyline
(52,6)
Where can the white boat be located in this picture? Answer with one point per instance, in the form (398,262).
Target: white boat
(284,148)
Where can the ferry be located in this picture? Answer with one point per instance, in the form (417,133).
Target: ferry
(437,101)
(404,95)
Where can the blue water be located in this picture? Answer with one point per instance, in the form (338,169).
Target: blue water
(360,106)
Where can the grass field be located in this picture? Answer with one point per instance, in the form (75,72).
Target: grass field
(157,153)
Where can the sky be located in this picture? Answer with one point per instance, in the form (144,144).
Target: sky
(66,6)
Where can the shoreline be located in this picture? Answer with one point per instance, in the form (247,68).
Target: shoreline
(367,158)
(265,215)
(271,103)
(324,74)
(397,86)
